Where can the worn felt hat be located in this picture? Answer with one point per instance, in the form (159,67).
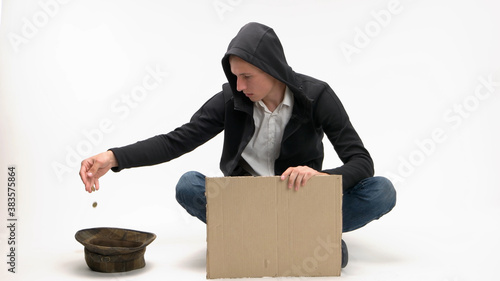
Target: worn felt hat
(110,249)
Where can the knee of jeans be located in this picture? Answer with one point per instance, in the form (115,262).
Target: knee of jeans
(387,192)
(183,184)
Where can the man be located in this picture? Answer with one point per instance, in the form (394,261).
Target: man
(274,121)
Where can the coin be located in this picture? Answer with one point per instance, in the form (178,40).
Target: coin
(94,204)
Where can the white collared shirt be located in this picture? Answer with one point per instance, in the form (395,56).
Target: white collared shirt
(264,146)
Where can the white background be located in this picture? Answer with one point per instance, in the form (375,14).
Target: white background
(403,74)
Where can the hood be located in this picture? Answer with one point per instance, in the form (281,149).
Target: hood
(259,45)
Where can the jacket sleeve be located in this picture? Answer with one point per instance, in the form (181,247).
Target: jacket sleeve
(335,122)
(205,124)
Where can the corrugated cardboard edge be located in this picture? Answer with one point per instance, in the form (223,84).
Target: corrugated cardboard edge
(222,183)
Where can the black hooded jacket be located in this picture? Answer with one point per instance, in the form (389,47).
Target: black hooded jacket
(316,111)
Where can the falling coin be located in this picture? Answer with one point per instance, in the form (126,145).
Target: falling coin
(94,204)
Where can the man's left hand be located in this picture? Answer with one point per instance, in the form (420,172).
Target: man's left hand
(298,176)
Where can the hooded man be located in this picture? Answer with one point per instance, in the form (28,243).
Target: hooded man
(274,120)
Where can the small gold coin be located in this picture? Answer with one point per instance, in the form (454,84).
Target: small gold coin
(93,188)
(94,204)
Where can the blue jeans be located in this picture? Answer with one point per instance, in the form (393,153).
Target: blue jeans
(369,200)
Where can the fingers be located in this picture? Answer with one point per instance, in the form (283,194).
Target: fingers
(298,176)
(83,171)
(291,175)
(87,181)
(295,179)
(298,181)
(96,184)
(87,174)
(95,167)
(286,173)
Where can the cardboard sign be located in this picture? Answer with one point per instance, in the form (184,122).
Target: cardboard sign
(257,227)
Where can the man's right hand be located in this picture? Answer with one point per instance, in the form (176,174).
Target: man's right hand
(95,167)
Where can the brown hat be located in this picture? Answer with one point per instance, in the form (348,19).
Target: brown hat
(114,249)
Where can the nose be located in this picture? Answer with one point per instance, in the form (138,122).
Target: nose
(240,84)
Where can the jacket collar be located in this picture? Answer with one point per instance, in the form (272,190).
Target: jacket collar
(242,103)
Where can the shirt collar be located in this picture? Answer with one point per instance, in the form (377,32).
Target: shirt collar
(288,100)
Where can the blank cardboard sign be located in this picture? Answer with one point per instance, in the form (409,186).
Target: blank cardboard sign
(257,227)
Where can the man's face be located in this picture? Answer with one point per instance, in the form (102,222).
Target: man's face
(253,82)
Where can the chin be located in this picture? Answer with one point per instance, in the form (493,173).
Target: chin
(254,99)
